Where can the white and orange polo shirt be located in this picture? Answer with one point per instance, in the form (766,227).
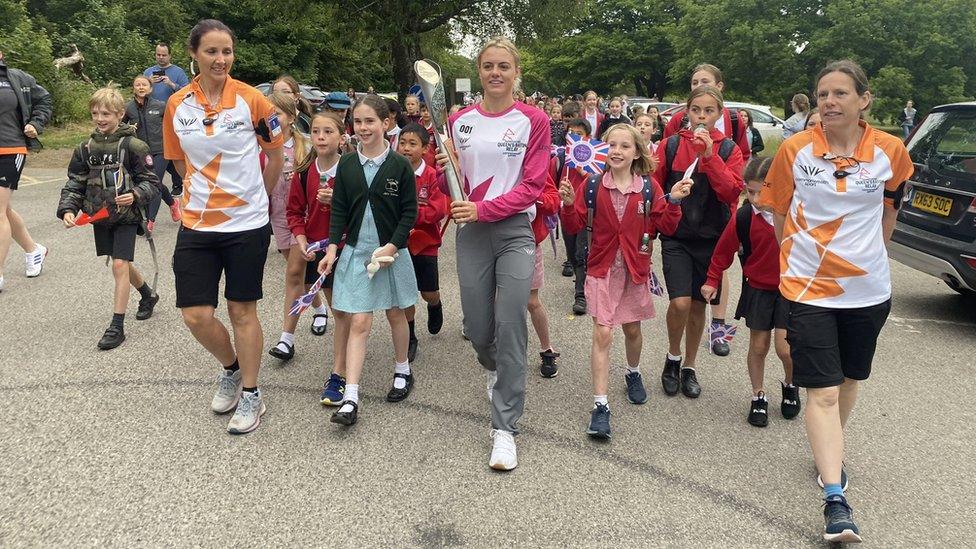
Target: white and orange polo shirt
(833,252)
(223,189)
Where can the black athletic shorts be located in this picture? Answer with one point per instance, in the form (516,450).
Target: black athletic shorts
(762,309)
(201,257)
(118,241)
(686,267)
(312,270)
(11,166)
(425,268)
(828,345)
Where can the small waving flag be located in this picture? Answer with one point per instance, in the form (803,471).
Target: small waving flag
(557,150)
(85,219)
(656,287)
(305,301)
(318,246)
(720,332)
(589,154)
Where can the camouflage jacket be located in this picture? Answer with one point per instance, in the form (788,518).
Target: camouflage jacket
(106,166)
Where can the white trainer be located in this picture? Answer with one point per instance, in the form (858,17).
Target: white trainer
(503,456)
(228,391)
(250,408)
(1,283)
(492,378)
(35,260)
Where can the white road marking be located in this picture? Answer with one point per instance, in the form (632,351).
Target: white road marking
(906,321)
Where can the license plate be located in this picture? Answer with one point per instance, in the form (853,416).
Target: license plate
(932,203)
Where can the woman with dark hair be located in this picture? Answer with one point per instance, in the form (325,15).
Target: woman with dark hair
(215,130)
(834,228)
(752,134)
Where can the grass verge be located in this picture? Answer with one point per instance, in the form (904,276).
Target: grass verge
(65,137)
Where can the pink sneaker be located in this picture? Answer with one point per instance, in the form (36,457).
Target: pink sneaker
(174,211)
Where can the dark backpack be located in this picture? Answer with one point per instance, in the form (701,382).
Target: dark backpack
(743,226)
(592,185)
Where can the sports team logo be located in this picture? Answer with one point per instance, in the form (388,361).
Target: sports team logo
(589,154)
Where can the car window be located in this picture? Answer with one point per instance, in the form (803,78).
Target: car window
(759,117)
(946,142)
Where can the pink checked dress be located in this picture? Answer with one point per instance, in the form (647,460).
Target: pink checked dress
(615,299)
(278,201)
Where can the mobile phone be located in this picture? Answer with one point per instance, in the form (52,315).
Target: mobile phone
(159,72)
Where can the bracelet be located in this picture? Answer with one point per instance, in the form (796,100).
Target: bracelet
(672,200)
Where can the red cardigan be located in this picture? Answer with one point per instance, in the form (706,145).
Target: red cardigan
(742,140)
(547,204)
(304,213)
(432,207)
(762,265)
(609,235)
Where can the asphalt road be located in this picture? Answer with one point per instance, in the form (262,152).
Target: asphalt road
(120,448)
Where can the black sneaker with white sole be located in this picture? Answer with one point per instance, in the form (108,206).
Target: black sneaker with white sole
(790,407)
(549,368)
(839,525)
(759,411)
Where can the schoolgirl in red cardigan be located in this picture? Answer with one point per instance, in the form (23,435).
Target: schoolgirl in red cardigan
(629,209)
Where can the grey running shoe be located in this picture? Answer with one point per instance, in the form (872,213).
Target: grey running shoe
(228,391)
(250,408)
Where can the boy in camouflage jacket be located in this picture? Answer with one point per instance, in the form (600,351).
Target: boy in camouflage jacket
(110,178)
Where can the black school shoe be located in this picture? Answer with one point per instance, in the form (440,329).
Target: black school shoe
(669,377)
(346,418)
(146,306)
(759,411)
(567,269)
(689,383)
(282,355)
(435,318)
(549,368)
(412,350)
(790,407)
(396,395)
(319,330)
(579,306)
(113,337)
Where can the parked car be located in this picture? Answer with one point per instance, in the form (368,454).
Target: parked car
(647,103)
(769,125)
(936,228)
(312,94)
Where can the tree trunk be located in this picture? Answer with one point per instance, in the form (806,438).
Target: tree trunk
(405,49)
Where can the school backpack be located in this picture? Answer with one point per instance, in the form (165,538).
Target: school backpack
(743,226)
(671,149)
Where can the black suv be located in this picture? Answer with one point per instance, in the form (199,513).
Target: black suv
(936,229)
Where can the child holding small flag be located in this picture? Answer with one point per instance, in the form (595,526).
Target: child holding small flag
(622,210)
(760,303)
(112,195)
(575,251)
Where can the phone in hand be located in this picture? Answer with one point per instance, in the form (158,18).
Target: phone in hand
(159,72)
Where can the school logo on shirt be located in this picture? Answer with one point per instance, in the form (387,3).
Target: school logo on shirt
(392,188)
(149,162)
(423,193)
(640,208)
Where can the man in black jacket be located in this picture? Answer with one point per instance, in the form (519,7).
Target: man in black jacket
(25,107)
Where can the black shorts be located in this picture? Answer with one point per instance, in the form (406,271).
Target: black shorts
(312,270)
(762,309)
(118,241)
(828,345)
(686,267)
(200,257)
(425,268)
(11,166)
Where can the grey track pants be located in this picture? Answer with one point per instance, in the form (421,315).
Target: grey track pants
(495,263)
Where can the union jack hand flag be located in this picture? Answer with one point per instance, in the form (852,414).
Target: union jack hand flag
(305,301)
(556,150)
(589,154)
(656,287)
(318,246)
(720,332)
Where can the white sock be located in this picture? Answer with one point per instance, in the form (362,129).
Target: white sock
(286,338)
(401,368)
(320,310)
(787,385)
(633,369)
(352,393)
(757,397)
(600,399)
(687,368)
(674,357)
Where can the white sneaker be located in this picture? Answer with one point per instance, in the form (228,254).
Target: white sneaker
(492,378)
(228,391)
(250,408)
(35,261)
(503,456)
(1,283)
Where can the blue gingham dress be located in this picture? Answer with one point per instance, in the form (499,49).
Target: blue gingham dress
(393,287)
